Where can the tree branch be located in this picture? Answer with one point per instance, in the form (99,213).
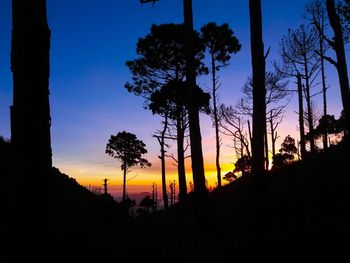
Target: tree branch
(329,59)
(267,53)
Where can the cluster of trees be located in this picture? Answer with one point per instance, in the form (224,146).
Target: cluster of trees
(329,125)
(168,61)
(160,75)
(286,154)
(172,55)
(304,52)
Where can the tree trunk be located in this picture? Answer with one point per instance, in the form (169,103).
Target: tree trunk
(216,121)
(181,157)
(310,116)
(153,200)
(301,118)
(124,181)
(193,112)
(30,112)
(273,137)
(258,65)
(341,61)
(162,159)
(266,148)
(250,135)
(324,90)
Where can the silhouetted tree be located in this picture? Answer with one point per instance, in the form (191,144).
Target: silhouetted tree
(230,177)
(173,98)
(30,112)
(326,124)
(301,117)
(233,124)
(193,111)
(288,147)
(105,186)
(286,153)
(172,186)
(126,204)
(220,43)
(337,43)
(168,101)
(154,198)
(158,75)
(316,115)
(277,98)
(160,107)
(147,203)
(163,145)
(259,108)
(299,58)
(161,58)
(128,150)
(330,125)
(341,122)
(317,14)
(275,118)
(243,165)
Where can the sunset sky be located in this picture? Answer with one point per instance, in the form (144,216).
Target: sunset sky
(90,43)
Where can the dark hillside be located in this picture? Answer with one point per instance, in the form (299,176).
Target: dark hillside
(78,216)
(301,208)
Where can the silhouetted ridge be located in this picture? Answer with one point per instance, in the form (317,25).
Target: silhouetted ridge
(77,216)
(302,210)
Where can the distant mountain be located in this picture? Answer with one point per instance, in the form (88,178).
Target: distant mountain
(139,196)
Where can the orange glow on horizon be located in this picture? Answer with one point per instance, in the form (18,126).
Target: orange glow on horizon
(91,174)
(141,180)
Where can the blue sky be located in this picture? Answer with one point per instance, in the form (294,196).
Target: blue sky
(91,40)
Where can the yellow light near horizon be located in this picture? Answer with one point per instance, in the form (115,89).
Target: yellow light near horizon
(93,177)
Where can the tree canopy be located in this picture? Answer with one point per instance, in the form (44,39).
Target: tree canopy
(220,42)
(128,150)
(161,58)
(174,95)
(286,153)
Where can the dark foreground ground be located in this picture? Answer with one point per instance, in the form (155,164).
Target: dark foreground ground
(300,210)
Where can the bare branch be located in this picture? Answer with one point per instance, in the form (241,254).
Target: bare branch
(267,53)
(172,157)
(329,59)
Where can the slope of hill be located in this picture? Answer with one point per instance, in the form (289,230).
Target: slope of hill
(301,208)
(77,216)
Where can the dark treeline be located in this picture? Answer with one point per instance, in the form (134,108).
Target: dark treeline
(296,204)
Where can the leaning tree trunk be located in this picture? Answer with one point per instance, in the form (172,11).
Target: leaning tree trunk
(30,112)
(324,90)
(341,60)
(124,181)
(266,147)
(250,136)
(301,118)
(273,137)
(162,159)
(310,117)
(216,121)
(258,65)
(181,157)
(193,111)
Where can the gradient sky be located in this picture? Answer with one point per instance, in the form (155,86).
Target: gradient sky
(91,40)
